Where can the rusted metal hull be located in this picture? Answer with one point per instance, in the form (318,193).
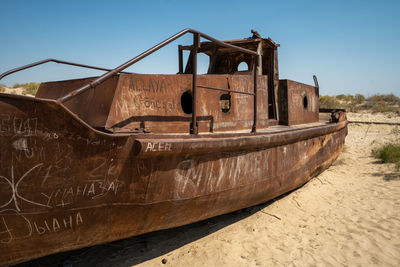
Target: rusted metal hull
(64,185)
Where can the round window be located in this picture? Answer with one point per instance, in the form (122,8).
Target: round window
(243,66)
(186,102)
(305,101)
(225,102)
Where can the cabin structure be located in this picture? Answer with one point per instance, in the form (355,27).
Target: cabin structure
(225,95)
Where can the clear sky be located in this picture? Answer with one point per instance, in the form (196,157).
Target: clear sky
(352,46)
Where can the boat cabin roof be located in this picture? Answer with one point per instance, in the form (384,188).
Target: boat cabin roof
(226,60)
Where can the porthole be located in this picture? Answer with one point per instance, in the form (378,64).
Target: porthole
(225,102)
(243,66)
(305,101)
(186,102)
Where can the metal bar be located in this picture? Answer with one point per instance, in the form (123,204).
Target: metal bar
(254,129)
(52,60)
(375,122)
(316,85)
(224,44)
(180,55)
(238,48)
(121,67)
(109,74)
(315,81)
(330,110)
(196,42)
(275,84)
(225,90)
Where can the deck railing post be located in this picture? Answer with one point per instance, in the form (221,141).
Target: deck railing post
(254,128)
(196,42)
(180,56)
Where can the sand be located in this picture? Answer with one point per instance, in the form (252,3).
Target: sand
(348,215)
(14,91)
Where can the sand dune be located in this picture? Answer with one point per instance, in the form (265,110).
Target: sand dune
(348,215)
(14,91)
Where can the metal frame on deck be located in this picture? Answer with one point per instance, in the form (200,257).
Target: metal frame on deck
(196,44)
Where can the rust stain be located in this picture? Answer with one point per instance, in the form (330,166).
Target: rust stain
(94,160)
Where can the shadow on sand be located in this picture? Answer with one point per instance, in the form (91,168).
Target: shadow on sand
(395,175)
(388,176)
(138,249)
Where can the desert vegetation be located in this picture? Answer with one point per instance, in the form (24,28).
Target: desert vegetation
(21,89)
(28,88)
(390,151)
(358,102)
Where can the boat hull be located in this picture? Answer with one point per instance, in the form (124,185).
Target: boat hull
(64,185)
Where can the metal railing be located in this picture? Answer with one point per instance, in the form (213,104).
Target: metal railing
(52,60)
(196,44)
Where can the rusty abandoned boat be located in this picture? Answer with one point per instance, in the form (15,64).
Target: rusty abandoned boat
(93,160)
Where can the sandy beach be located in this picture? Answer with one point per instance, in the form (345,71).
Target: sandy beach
(348,215)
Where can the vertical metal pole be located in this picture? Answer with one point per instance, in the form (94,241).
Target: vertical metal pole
(254,129)
(196,41)
(316,85)
(180,59)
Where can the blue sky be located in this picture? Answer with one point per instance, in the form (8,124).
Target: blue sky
(352,46)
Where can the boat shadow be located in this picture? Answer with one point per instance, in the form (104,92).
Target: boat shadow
(138,249)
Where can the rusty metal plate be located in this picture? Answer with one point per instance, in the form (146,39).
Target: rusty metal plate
(298,103)
(153,102)
(64,186)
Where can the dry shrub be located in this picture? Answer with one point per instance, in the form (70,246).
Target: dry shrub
(391,98)
(29,88)
(383,107)
(346,98)
(389,153)
(375,103)
(341,97)
(328,102)
(352,107)
(359,98)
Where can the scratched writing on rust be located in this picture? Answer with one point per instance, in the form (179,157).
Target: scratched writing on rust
(18,126)
(148,85)
(196,177)
(124,105)
(14,183)
(37,225)
(43,187)
(153,103)
(158,147)
(18,223)
(147,95)
(87,191)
